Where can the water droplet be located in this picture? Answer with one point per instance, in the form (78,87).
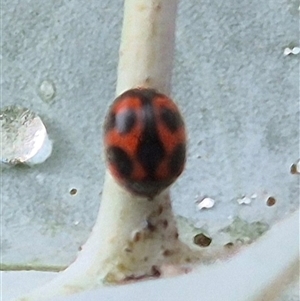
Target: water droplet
(287,51)
(294,51)
(24,137)
(295,168)
(244,200)
(47,90)
(205,203)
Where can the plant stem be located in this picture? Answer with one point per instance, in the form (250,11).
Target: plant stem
(147,45)
(132,237)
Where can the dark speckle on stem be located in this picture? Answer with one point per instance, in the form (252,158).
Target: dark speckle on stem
(165,223)
(167,253)
(137,236)
(160,209)
(155,271)
(150,226)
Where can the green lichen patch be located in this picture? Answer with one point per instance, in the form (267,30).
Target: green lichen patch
(244,232)
(32,267)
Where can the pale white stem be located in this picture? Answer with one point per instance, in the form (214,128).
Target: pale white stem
(133,237)
(147,45)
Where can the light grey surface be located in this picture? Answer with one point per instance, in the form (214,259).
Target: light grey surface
(76,47)
(238,92)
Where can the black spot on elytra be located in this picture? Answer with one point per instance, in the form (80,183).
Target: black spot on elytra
(150,150)
(150,154)
(110,122)
(177,159)
(171,119)
(148,188)
(125,121)
(120,160)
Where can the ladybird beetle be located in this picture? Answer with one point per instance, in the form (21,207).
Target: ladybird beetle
(145,141)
